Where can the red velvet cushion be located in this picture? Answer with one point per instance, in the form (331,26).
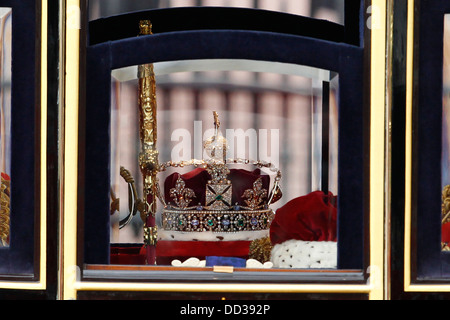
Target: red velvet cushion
(127,255)
(166,251)
(312,217)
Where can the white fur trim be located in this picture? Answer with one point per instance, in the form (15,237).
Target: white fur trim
(211,236)
(305,254)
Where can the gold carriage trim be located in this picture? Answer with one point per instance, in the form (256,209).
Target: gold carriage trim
(217,221)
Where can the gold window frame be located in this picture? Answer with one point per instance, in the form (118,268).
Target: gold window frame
(71,282)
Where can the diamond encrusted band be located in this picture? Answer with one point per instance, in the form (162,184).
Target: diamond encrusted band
(217,221)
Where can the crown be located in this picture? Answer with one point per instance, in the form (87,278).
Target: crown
(215,197)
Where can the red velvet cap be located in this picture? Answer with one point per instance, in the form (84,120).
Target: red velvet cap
(312,217)
(197,179)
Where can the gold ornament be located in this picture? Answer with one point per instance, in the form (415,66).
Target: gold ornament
(260,249)
(4,212)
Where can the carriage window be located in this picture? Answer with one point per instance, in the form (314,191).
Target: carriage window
(446,138)
(247,164)
(5,124)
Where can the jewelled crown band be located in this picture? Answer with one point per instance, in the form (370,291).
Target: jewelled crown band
(222,209)
(218,221)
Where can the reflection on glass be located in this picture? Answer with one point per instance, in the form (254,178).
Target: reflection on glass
(269,113)
(332,10)
(446,138)
(5,123)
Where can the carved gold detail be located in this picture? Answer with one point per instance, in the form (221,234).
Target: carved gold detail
(145,27)
(150,236)
(255,197)
(446,204)
(4,211)
(148,157)
(260,249)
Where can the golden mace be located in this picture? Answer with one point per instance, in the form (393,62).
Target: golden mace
(148,157)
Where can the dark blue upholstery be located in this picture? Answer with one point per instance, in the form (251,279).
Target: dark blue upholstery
(213,18)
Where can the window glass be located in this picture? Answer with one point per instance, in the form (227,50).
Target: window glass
(5,124)
(278,119)
(446,138)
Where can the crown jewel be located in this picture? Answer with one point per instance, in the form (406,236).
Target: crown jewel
(213,197)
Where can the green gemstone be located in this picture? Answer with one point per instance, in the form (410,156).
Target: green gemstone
(219,197)
(210,222)
(240,222)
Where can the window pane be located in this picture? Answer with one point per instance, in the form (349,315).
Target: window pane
(446,138)
(273,113)
(5,123)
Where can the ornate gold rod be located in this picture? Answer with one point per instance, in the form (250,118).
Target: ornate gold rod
(148,157)
(4,210)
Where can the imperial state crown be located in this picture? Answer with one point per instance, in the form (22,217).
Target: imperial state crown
(215,197)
